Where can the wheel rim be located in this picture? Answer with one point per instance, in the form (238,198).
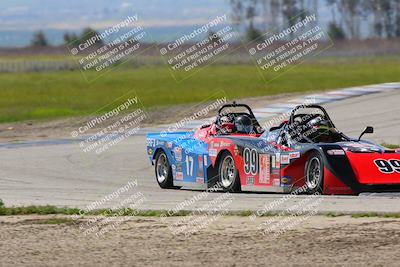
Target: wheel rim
(162,168)
(313,173)
(228,172)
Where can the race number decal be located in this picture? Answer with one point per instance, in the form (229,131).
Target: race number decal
(388,166)
(250,157)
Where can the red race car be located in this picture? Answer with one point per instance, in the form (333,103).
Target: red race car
(305,152)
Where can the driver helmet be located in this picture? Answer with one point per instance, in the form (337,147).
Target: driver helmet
(321,125)
(226,124)
(225,119)
(243,124)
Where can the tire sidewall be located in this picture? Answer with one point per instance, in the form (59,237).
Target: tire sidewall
(168,182)
(235,185)
(320,185)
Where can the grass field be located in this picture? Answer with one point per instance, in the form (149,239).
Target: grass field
(27,96)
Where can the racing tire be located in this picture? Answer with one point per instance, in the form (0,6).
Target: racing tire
(228,174)
(314,173)
(163,170)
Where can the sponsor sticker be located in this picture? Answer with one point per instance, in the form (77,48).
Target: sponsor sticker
(179,176)
(278,161)
(178,167)
(216,145)
(285,159)
(273,161)
(294,155)
(159,143)
(199,173)
(286,180)
(205,160)
(355,145)
(276,182)
(236,150)
(173,171)
(224,144)
(150,142)
(199,180)
(265,169)
(250,180)
(178,153)
(212,152)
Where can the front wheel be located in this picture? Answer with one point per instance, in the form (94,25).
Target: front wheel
(163,170)
(314,173)
(228,175)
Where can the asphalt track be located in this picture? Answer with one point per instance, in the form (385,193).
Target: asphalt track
(63,175)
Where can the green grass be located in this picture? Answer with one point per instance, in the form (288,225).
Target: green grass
(375,214)
(28,96)
(334,214)
(56,221)
(52,210)
(390,146)
(40,210)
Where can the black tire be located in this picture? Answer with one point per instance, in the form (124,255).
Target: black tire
(163,170)
(228,175)
(314,173)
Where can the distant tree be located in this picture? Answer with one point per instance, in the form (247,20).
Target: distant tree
(333,5)
(251,13)
(237,12)
(275,6)
(67,38)
(87,34)
(386,17)
(213,36)
(388,12)
(252,32)
(39,39)
(349,17)
(289,10)
(70,38)
(397,20)
(336,32)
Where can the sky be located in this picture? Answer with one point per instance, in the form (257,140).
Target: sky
(163,18)
(73,14)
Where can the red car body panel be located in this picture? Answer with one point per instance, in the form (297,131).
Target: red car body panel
(334,186)
(366,170)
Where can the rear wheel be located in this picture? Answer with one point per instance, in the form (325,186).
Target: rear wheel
(314,173)
(228,175)
(163,170)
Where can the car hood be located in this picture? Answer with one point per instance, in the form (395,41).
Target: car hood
(361,147)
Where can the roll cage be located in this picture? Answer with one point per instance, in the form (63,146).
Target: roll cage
(298,128)
(224,111)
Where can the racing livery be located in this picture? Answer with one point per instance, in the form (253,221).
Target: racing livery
(236,154)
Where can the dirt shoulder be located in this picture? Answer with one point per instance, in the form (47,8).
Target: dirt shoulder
(228,241)
(62,128)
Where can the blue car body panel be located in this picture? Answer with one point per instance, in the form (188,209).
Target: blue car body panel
(187,156)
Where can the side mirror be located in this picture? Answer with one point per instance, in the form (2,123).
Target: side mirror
(368,129)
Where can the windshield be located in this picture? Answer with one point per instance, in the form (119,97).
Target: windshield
(306,125)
